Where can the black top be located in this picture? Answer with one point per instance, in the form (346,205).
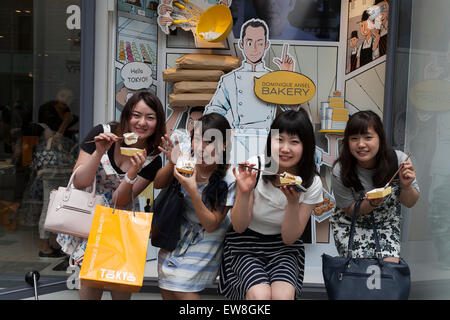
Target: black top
(148,172)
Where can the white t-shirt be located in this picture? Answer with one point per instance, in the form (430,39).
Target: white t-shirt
(270,203)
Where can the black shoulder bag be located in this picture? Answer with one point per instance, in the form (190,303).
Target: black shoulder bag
(348,278)
(167,211)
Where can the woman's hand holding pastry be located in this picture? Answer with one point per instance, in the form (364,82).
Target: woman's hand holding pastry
(188,182)
(137,161)
(291,194)
(246,178)
(104,141)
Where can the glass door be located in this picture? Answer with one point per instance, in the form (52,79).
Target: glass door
(40,68)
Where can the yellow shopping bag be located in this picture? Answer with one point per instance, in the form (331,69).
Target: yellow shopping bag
(116,250)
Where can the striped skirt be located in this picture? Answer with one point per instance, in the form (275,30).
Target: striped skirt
(251,258)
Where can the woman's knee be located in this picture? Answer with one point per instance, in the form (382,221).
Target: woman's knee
(282,295)
(120,295)
(259,292)
(283,291)
(177,295)
(89,293)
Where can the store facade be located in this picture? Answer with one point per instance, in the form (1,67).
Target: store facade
(89,57)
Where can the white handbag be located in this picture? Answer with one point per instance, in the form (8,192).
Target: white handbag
(71,211)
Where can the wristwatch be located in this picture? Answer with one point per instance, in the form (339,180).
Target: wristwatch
(130,181)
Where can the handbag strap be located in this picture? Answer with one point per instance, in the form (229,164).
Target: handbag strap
(71,183)
(375,236)
(352,232)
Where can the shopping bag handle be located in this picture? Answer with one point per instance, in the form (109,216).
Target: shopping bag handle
(132,203)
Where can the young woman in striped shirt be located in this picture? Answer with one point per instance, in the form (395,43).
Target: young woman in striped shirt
(209,194)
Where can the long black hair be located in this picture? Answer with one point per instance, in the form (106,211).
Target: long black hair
(359,123)
(215,193)
(296,123)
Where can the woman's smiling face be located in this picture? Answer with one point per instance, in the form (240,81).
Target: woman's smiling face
(286,150)
(143,120)
(364,147)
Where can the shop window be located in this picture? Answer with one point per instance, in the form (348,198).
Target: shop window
(39,121)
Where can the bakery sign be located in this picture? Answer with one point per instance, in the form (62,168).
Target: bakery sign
(284,87)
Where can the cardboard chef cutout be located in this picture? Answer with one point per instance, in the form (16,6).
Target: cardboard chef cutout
(235,98)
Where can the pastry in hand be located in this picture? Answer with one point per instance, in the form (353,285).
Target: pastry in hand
(130,138)
(185,165)
(287,179)
(290,179)
(130,151)
(378,193)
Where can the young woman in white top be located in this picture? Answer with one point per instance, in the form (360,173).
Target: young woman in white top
(263,254)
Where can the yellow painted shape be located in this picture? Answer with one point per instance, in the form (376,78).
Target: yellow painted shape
(216,18)
(284,87)
(340,111)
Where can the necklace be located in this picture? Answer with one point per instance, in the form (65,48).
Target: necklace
(203,176)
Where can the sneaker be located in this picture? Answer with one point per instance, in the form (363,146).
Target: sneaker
(57,253)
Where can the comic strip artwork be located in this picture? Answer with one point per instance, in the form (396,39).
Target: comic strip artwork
(367,32)
(303,20)
(136,58)
(145,8)
(365,91)
(185,14)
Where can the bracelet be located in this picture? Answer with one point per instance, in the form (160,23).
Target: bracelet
(128,180)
